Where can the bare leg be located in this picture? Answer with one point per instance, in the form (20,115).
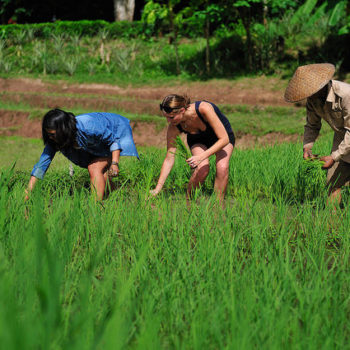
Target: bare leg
(200,173)
(222,170)
(98,176)
(334,197)
(337,177)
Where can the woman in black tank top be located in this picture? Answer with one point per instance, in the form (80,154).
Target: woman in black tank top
(208,132)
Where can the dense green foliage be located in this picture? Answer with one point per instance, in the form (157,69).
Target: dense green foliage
(82,28)
(103,59)
(202,40)
(269,271)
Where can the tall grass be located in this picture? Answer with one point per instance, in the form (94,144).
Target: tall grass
(268,271)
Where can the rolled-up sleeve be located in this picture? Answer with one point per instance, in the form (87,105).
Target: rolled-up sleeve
(344,146)
(115,146)
(312,127)
(44,162)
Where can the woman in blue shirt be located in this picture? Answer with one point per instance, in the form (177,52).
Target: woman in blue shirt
(92,140)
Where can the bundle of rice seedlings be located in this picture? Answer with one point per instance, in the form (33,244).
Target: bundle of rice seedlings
(310,179)
(182,150)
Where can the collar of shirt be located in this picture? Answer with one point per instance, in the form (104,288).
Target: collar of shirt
(333,98)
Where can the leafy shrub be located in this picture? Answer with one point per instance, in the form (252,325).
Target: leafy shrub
(122,29)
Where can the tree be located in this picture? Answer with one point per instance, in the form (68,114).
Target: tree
(10,9)
(124,10)
(156,12)
(204,13)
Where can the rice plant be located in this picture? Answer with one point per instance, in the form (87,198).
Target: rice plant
(182,149)
(140,274)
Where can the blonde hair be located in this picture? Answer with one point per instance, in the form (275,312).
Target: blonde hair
(176,101)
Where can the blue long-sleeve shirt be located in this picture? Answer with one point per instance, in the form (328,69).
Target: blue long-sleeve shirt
(98,135)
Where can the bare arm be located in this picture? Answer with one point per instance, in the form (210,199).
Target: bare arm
(40,168)
(114,168)
(169,160)
(30,186)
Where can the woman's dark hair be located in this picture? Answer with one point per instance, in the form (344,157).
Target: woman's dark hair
(64,124)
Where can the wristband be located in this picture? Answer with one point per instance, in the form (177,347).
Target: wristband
(115,163)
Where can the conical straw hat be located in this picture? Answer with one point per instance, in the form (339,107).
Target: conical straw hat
(307,80)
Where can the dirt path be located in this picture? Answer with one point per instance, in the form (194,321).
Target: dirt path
(140,100)
(255,93)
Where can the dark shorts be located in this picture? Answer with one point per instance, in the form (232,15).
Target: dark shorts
(80,157)
(206,139)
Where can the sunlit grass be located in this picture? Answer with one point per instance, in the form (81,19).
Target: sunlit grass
(268,271)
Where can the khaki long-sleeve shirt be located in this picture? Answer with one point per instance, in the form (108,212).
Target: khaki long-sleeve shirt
(336,112)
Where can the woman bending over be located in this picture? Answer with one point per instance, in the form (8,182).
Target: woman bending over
(92,140)
(208,132)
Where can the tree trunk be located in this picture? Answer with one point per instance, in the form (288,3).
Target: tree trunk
(246,20)
(174,37)
(124,10)
(207,51)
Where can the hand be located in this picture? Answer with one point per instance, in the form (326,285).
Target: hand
(154,192)
(194,161)
(308,154)
(113,170)
(26,197)
(328,162)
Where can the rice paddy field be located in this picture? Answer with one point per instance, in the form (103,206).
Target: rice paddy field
(268,270)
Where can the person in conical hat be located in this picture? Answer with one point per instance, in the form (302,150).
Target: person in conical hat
(329,100)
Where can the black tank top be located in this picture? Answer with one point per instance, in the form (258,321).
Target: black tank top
(208,128)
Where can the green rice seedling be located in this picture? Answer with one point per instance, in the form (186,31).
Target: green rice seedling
(72,272)
(310,179)
(181,149)
(183,152)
